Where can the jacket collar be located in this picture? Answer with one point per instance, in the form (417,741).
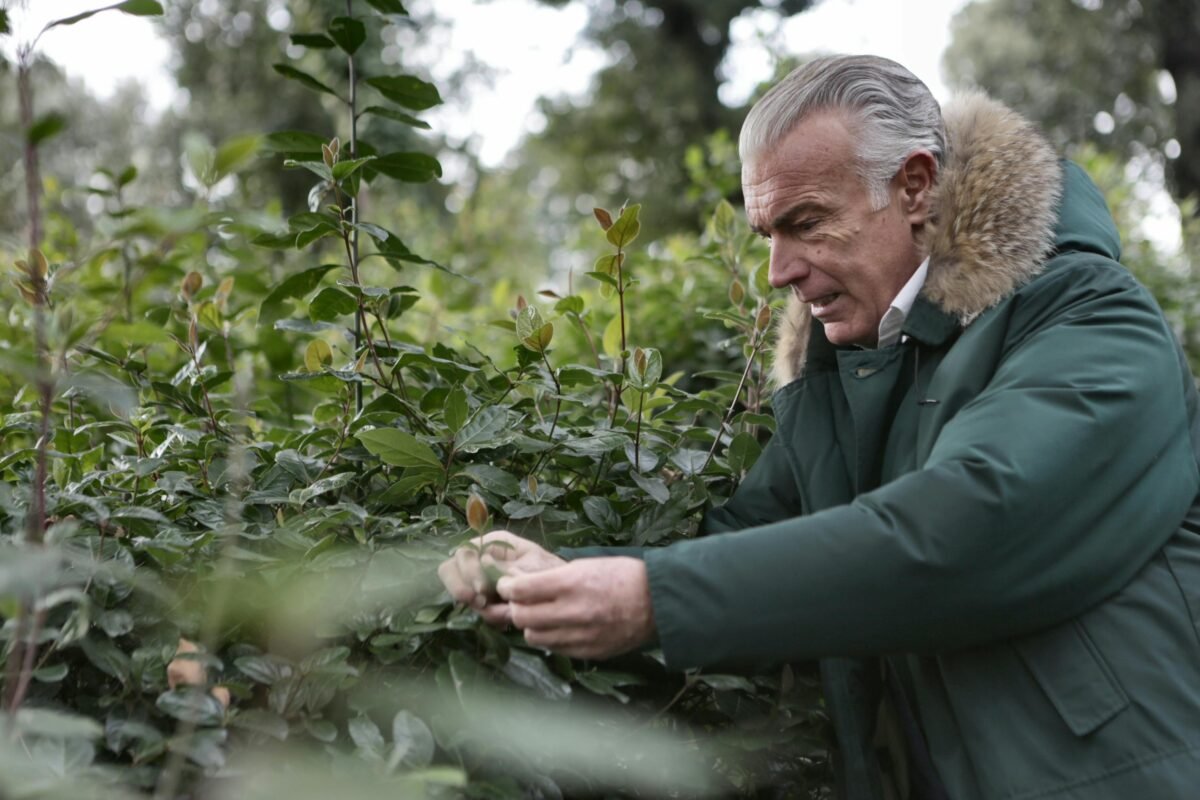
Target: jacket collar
(995,207)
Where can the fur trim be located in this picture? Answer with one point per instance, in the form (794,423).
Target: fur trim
(995,207)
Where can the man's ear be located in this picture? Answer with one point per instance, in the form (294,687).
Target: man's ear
(915,182)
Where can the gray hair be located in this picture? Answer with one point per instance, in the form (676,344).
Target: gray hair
(894,112)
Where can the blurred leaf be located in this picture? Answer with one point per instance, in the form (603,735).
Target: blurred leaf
(387,6)
(292,73)
(409,167)
(45,127)
(317,41)
(530,671)
(137,8)
(191,704)
(398,116)
(408,91)
(57,724)
(412,742)
(235,154)
(348,32)
(366,736)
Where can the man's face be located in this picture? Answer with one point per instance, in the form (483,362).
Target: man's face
(844,260)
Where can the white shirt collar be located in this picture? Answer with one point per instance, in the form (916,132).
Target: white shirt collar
(893,319)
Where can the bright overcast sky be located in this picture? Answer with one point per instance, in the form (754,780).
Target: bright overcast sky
(532,58)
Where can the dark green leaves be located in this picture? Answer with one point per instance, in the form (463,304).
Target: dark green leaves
(399,448)
(137,8)
(388,6)
(409,167)
(45,127)
(407,90)
(398,116)
(316,41)
(297,285)
(288,71)
(331,303)
(348,32)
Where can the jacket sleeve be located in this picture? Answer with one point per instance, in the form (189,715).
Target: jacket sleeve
(1044,494)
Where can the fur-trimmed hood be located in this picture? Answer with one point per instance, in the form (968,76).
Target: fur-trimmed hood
(994,211)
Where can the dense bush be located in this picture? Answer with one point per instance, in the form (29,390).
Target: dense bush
(236,447)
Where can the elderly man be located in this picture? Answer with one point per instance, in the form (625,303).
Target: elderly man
(979,507)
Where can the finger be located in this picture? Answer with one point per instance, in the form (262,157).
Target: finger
(546,616)
(536,587)
(498,615)
(467,561)
(451,577)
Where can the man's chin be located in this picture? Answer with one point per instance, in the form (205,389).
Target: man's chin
(841,334)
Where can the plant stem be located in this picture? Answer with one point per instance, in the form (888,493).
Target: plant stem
(352,241)
(756,344)
(637,434)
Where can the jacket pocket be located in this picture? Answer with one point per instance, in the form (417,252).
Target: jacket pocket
(1072,672)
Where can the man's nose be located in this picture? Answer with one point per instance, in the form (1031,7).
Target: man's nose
(787,264)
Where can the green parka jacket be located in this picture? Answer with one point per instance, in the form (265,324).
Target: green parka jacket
(1003,506)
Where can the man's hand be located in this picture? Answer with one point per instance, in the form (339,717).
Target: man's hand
(465,573)
(588,608)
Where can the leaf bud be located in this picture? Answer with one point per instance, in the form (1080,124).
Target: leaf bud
(763,320)
(603,217)
(737,292)
(477,513)
(190,285)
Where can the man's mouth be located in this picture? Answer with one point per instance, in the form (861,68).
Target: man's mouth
(819,303)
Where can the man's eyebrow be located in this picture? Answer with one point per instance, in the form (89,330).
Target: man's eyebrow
(782,220)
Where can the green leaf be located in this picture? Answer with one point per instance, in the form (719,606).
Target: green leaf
(690,462)
(398,116)
(235,154)
(323,486)
(266,669)
(493,479)
(743,451)
(317,355)
(489,429)
(191,705)
(46,126)
(626,228)
(408,91)
(412,742)
(531,671)
(296,285)
(724,222)
(331,303)
(457,409)
(57,724)
(141,8)
(387,6)
(293,142)
(344,169)
(288,71)
(260,721)
(398,448)
(366,736)
(601,514)
(4,26)
(137,8)
(348,32)
(409,167)
(316,41)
